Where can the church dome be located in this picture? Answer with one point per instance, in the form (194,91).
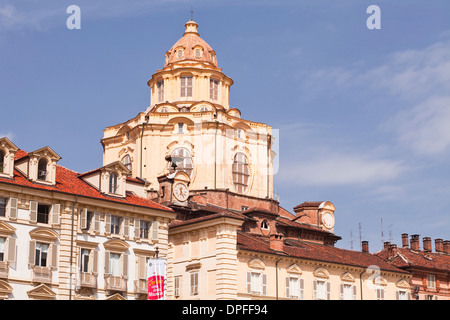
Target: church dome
(191,48)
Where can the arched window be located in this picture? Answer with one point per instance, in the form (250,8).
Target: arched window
(264,225)
(164,110)
(127,162)
(240,172)
(185,160)
(113,183)
(2,161)
(203,109)
(42,169)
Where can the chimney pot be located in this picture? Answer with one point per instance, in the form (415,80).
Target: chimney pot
(427,244)
(405,240)
(415,245)
(392,250)
(365,246)
(447,246)
(276,242)
(439,245)
(386,244)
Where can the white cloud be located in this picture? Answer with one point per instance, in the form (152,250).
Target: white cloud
(334,169)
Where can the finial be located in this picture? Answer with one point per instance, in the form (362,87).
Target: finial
(192,14)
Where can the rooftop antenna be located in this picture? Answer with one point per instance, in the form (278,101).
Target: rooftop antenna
(382,235)
(351,239)
(390,233)
(360,235)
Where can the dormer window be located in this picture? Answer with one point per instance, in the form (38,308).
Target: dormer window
(264,225)
(42,169)
(113,183)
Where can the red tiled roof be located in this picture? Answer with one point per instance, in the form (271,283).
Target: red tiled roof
(313,251)
(67,181)
(314,204)
(406,257)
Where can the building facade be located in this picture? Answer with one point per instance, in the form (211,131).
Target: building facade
(430,270)
(65,235)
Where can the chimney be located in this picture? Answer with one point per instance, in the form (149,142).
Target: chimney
(386,245)
(427,244)
(447,246)
(405,240)
(415,242)
(276,242)
(365,246)
(439,245)
(392,250)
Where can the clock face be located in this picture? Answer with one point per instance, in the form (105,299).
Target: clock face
(328,220)
(181,192)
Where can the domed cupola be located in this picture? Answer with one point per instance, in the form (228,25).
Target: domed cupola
(191,48)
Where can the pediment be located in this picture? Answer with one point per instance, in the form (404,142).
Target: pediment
(116,296)
(41,292)
(5,289)
(6,229)
(115,166)
(403,284)
(321,273)
(256,264)
(45,234)
(116,245)
(294,268)
(381,281)
(5,143)
(45,152)
(348,277)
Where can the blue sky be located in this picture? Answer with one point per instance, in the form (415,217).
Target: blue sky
(363,115)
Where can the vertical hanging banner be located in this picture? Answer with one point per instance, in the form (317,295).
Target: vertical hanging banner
(156,279)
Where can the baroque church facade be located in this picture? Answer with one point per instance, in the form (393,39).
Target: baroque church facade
(231,239)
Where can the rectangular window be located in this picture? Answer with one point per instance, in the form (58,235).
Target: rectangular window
(380,293)
(114,264)
(431,281)
(160,88)
(84,266)
(402,295)
(321,290)
(177,286)
(186,87)
(41,254)
(214,89)
(347,292)
(2,207)
(115,225)
(194,283)
(43,211)
(144,229)
(180,128)
(2,249)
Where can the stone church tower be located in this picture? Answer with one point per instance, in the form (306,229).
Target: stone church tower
(190,143)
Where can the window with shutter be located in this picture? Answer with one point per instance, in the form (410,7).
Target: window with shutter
(155,230)
(11,250)
(160,88)
(186,86)
(55,214)
(2,207)
(33,211)
(177,286)
(97,222)
(2,249)
(194,283)
(214,89)
(126,224)
(13,204)
(43,212)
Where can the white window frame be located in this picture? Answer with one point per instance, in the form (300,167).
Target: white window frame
(321,289)
(294,291)
(256,283)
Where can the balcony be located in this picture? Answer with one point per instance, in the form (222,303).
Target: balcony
(4,270)
(42,274)
(87,280)
(115,283)
(140,286)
